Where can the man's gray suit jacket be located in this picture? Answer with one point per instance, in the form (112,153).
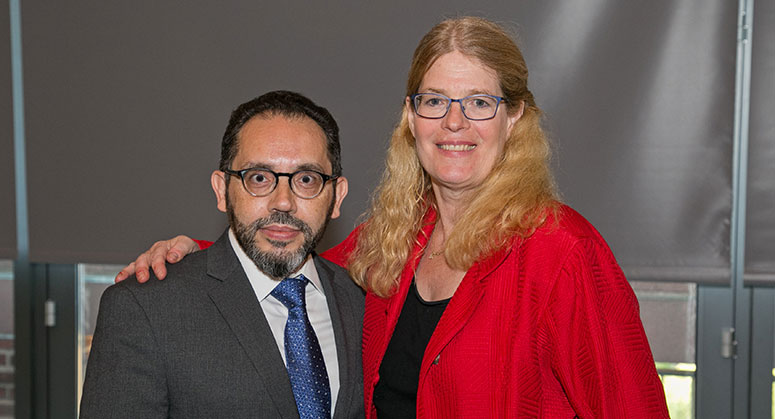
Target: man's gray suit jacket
(197,345)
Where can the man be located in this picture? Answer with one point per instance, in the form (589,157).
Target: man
(213,339)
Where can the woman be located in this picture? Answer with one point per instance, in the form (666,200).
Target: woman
(486,296)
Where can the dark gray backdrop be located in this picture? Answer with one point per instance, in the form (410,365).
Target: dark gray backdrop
(7,200)
(760,217)
(126,103)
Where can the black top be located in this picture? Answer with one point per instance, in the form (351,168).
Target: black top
(395,395)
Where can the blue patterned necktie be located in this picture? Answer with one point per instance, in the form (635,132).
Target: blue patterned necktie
(306,368)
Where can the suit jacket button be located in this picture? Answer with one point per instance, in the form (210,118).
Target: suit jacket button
(436,361)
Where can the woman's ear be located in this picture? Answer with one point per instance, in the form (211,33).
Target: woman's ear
(410,115)
(514,118)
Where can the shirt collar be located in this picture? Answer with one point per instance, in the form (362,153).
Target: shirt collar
(263,284)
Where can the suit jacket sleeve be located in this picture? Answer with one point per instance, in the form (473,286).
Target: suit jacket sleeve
(125,373)
(601,355)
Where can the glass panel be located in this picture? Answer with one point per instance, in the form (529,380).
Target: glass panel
(669,315)
(6,340)
(92,280)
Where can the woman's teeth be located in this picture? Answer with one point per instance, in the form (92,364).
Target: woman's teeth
(456,147)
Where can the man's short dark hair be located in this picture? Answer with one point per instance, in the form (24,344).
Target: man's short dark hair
(281,103)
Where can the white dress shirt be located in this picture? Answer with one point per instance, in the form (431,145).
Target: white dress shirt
(277,314)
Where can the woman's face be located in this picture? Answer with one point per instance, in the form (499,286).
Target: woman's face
(458,153)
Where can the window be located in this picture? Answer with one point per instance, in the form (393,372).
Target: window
(669,315)
(92,281)
(7,393)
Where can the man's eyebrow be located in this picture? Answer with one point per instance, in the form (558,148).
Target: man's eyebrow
(304,166)
(256,165)
(311,166)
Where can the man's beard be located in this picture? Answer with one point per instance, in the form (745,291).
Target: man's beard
(280,264)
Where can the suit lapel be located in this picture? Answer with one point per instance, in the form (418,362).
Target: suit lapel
(237,303)
(348,341)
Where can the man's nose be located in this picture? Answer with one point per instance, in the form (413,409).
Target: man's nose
(282,198)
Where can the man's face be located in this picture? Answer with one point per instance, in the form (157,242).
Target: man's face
(278,231)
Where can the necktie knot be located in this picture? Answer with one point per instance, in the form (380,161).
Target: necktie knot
(291,292)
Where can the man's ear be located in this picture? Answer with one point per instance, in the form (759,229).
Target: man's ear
(341,191)
(218,181)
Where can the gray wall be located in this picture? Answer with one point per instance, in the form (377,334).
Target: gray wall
(126,103)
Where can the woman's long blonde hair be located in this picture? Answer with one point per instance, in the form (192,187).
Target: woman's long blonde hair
(514,199)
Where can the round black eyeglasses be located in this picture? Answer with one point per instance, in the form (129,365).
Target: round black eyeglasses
(305,184)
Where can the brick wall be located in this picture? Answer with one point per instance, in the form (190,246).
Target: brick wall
(6,379)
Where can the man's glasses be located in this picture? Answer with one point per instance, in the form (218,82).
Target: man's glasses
(474,107)
(305,184)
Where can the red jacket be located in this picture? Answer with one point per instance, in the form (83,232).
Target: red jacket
(548,328)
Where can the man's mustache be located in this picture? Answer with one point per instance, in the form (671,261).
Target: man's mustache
(280,218)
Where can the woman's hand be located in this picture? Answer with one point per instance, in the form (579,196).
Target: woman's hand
(157,256)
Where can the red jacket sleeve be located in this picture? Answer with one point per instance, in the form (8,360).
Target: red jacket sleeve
(601,356)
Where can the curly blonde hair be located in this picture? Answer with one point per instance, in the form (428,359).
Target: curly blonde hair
(514,199)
